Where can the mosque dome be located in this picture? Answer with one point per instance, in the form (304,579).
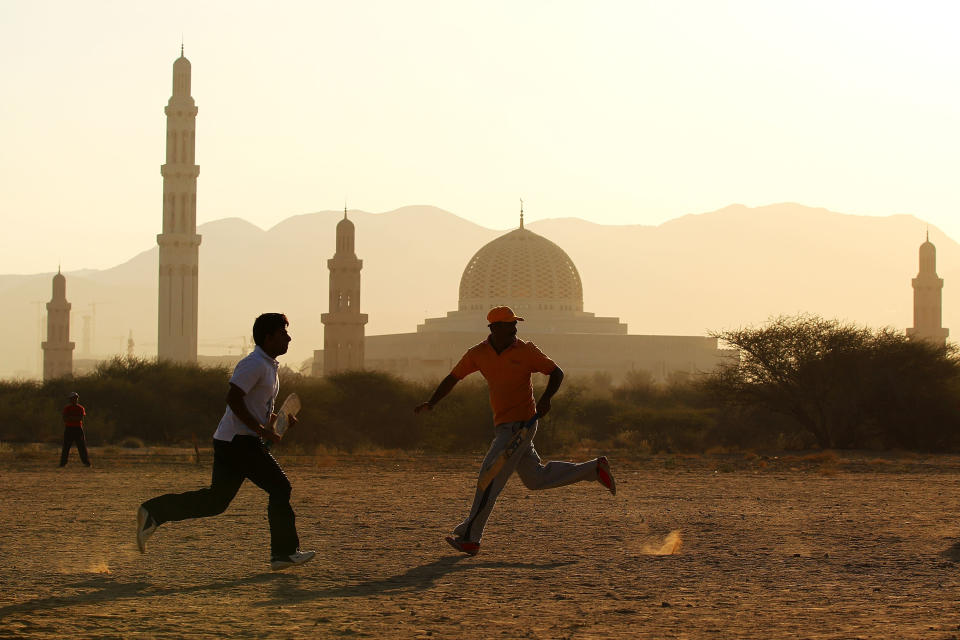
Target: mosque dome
(523,270)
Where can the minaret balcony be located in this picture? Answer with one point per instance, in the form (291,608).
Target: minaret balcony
(174,240)
(343,317)
(179,170)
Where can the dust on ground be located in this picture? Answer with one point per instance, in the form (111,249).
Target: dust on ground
(691,547)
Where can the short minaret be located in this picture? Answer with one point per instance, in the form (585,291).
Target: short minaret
(928,299)
(57,348)
(179,242)
(343,326)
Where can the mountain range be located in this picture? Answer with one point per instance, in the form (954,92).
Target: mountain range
(700,272)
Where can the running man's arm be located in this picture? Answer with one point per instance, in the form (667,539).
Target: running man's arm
(446,386)
(239,407)
(543,405)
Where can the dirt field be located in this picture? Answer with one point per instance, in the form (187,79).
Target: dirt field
(771,548)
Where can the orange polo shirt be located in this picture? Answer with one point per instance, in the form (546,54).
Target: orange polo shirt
(507,375)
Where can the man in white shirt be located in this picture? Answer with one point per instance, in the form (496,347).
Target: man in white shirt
(240,452)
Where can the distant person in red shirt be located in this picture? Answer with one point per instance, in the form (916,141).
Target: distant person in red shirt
(73,415)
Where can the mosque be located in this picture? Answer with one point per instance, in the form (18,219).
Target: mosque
(524,271)
(520,269)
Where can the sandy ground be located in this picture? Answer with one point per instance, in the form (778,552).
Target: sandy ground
(778,548)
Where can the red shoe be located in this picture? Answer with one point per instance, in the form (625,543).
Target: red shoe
(605,476)
(464,546)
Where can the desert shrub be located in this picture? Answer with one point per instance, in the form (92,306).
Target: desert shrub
(131,442)
(846,386)
(893,393)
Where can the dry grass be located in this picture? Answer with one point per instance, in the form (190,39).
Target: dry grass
(827,455)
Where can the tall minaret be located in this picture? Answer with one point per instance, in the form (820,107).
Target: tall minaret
(928,299)
(343,325)
(179,242)
(57,348)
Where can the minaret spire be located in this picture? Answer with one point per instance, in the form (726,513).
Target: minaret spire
(928,299)
(343,324)
(178,240)
(57,348)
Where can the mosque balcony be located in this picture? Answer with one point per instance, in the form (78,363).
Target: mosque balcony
(178,240)
(57,346)
(541,321)
(180,170)
(343,317)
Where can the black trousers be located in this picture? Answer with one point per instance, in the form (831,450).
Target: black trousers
(71,435)
(233,462)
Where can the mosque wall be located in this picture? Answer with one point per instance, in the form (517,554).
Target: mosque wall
(431,356)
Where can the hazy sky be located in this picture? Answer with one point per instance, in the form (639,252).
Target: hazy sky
(616,112)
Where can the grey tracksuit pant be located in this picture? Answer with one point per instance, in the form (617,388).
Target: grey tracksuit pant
(533,473)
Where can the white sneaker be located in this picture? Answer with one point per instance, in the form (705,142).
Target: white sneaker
(146,525)
(278,563)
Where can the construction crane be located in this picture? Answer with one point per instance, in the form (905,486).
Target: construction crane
(230,343)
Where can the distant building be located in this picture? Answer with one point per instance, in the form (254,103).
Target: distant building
(179,242)
(539,281)
(343,325)
(57,348)
(928,299)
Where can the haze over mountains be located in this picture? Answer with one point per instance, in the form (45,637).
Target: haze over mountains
(697,273)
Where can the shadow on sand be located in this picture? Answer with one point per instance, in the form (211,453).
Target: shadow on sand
(107,589)
(952,553)
(414,579)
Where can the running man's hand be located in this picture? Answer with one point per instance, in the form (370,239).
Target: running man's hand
(445,386)
(424,406)
(268,433)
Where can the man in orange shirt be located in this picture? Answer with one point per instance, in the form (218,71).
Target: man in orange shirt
(507,363)
(73,415)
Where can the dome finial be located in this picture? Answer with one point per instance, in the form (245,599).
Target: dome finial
(928,233)
(521,213)
(344,208)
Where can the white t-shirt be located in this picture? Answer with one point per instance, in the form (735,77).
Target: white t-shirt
(257,377)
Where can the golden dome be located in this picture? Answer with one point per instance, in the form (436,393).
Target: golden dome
(522,270)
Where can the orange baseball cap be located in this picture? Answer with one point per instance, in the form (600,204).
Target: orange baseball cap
(502,314)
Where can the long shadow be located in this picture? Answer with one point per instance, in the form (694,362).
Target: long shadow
(414,579)
(953,553)
(108,590)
